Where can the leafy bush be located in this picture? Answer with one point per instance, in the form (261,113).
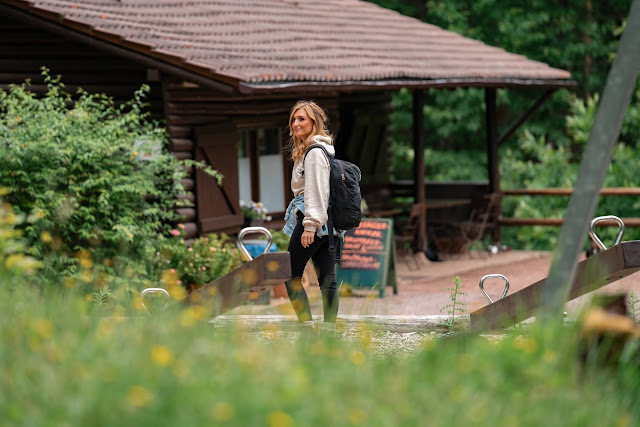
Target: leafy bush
(280,239)
(530,165)
(77,169)
(440,165)
(14,263)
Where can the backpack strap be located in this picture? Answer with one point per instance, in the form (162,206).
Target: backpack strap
(311,147)
(334,247)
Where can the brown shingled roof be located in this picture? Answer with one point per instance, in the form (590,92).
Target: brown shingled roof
(275,44)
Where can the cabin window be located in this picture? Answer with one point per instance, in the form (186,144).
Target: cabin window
(261,168)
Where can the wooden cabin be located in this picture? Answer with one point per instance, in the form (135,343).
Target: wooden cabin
(224,75)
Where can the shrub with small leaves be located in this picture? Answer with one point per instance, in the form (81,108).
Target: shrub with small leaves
(14,262)
(73,162)
(280,239)
(206,259)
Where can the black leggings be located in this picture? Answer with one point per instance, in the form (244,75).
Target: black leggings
(324,263)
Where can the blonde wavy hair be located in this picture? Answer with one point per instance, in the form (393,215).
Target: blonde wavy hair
(319,118)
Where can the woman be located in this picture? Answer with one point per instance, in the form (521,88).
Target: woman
(306,215)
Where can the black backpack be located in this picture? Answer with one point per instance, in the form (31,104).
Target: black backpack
(344,196)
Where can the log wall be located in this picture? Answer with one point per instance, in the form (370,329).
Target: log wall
(25,50)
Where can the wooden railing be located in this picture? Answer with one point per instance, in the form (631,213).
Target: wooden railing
(465,190)
(519,222)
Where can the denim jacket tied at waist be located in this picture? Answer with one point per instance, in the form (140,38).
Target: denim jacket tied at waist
(297,204)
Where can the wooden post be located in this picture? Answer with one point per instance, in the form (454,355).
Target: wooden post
(491,122)
(593,168)
(418,165)
(254,164)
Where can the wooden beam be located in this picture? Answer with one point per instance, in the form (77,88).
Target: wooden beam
(180,144)
(335,88)
(611,191)
(557,222)
(187,184)
(254,163)
(523,118)
(209,225)
(440,189)
(236,287)
(187,196)
(186,214)
(491,124)
(593,273)
(493,162)
(418,164)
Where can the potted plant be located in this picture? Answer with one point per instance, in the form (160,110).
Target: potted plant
(254,213)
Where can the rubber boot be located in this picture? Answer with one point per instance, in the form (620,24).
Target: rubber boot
(299,299)
(330,303)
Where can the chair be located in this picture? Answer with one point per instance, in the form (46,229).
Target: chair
(406,234)
(483,217)
(458,236)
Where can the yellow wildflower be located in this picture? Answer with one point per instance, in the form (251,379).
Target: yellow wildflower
(528,345)
(222,412)
(45,236)
(139,396)
(357,358)
(357,416)
(161,355)
(279,419)
(44,328)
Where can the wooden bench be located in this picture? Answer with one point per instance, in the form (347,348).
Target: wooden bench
(238,286)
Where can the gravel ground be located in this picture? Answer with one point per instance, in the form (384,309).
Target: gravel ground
(400,336)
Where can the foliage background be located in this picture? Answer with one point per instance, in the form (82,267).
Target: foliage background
(577,36)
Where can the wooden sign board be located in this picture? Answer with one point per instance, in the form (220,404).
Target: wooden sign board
(369,256)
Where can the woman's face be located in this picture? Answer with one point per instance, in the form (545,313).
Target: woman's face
(301,124)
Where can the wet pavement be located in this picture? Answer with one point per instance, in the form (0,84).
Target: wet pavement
(422,292)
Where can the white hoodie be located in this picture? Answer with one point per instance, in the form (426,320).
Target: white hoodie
(314,183)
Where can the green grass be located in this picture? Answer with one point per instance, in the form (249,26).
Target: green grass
(62,364)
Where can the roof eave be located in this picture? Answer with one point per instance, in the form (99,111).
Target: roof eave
(393,84)
(152,59)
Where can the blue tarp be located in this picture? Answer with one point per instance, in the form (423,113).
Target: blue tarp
(256,247)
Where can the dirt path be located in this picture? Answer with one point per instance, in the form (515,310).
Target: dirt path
(423,292)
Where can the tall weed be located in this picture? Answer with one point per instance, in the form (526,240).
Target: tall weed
(62,363)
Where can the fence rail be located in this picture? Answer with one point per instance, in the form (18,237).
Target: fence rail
(557,222)
(613,191)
